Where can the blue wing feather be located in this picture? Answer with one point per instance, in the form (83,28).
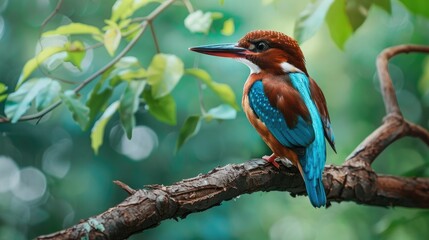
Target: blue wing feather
(301,135)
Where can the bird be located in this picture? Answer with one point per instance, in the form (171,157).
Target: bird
(283,103)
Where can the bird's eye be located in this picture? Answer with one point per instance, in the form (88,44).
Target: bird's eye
(261,46)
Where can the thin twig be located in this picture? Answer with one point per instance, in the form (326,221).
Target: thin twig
(155,40)
(53,13)
(125,187)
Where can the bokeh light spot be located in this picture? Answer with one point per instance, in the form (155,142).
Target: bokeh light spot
(56,160)
(137,148)
(31,186)
(9,174)
(410,106)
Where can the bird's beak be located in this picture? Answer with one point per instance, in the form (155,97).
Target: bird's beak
(229,50)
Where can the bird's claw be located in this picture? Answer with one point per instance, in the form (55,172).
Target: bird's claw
(272,159)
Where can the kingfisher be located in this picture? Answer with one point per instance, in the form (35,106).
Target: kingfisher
(283,103)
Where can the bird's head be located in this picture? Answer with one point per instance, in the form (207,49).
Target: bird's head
(269,51)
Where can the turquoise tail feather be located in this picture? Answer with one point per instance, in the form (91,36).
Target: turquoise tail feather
(313,159)
(312,163)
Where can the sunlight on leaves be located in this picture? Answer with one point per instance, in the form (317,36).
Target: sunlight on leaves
(75,53)
(80,112)
(121,9)
(164,73)
(163,109)
(34,63)
(112,38)
(97,132)
(198,22)
(216,15)
(221,112)
(3,89)
(18,102)
(223,91)
(129,75)
(74,28)
(310,20)
(189,129)
(228,27)
(338,23)
(129,104)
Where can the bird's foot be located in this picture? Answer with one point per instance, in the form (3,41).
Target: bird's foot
(271,159)
(288,163)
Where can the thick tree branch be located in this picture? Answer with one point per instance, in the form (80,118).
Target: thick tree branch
(354,181)
(146,208)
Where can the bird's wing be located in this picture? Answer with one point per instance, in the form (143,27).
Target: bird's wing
(283,112)
(319,99)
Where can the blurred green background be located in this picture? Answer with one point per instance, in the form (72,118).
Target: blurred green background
(62,181)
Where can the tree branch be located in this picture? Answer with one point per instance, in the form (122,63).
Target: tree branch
(354,181)
(146,208)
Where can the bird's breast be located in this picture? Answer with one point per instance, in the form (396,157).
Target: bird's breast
(260,126)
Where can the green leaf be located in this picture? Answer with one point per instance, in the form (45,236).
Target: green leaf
(228,27)
(18,102)
(338,23)
(124,64)
(189,129)
(3,89)
(75,53)
(216,15)
(129,104)
(223,91)
(121,9)
(74,28)
(129,75)
(164,73)
(198,21)
(221,112)
(417,6)
(112,38)
(33,63)
(163,109)
(98,100)
(97,132)
(310,20)
(47,95)
(80,112)
(127,62)
(357,11)
(386,5)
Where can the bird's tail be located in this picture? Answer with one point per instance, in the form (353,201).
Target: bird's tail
(312,164)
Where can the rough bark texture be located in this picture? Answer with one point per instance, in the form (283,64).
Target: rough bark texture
(353,181)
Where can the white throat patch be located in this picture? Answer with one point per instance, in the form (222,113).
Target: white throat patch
(253,67)
(287,67)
